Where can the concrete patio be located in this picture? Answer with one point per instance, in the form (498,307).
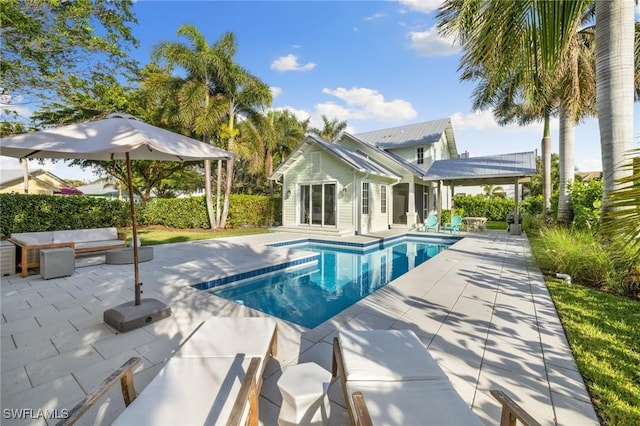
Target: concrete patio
(481,308)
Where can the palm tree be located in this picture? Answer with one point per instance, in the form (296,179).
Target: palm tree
(242,94)
(331,128)
(199,107)
(491,191)
(614,91)
(268,138)
(516,51)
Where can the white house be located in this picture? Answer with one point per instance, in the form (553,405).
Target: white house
(372,181)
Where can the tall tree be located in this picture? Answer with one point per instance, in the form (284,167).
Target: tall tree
(516,50)
(267,138)
(200,107)
(614,90)
(330,128)
(52,47)
(242,95)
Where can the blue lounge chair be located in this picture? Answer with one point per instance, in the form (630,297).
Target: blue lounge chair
(431,222)
(454,226)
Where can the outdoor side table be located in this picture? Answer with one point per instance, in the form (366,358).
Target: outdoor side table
(7,258)
(304,395)
(57,262)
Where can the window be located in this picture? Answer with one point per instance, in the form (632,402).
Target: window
(420,155)
(365,197)
(383,198)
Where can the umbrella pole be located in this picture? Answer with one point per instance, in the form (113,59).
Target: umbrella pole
(134,227)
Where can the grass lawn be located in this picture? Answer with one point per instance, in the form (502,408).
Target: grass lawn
(604,334)
(160,235)
(500,225)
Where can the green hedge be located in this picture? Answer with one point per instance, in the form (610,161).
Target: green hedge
(244,211)
(34,213)
(480,206)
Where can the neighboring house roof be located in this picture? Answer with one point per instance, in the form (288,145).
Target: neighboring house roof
(586,176)
(412,134)
(9,177)
(98,189)
(357,160)
(496,169)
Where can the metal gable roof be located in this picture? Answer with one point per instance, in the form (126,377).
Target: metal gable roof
(475,169)
(409,135)
(357,160)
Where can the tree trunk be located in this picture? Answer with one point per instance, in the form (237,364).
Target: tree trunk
(546,167)
(218,190)
(269,169)
(567,164)
(207,194)
(227,193)
(614,89)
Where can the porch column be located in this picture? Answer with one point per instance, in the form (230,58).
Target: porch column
(439,202)
(412,215)
(516,228)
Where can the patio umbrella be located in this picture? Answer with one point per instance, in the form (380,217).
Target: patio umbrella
(117,137)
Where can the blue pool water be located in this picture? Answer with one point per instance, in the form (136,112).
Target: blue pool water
(342,275)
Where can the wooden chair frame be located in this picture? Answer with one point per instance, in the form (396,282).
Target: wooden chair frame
(359,416)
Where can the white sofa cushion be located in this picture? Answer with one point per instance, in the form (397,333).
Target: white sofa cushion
(414,402)
(228,336)
(85,235)
(189,391)
(386,355)
(33,238)
(97,244)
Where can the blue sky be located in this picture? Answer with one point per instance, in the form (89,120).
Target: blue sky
(375,64)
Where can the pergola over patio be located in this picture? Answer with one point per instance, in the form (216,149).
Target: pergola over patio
(501,169)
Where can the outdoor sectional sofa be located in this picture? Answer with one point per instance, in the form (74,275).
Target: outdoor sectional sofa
(80,240)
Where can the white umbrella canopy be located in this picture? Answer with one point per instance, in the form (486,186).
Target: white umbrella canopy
(110,139)
(117,137)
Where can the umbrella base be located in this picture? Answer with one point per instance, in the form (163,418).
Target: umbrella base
(128,316)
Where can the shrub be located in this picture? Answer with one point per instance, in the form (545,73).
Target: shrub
(188,213)
(478,206)
(34,213)
(586,199)
(573,252)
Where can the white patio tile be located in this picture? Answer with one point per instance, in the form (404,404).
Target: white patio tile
(14,381)
(51,330)
(120,342)
(449,302)
(45,370)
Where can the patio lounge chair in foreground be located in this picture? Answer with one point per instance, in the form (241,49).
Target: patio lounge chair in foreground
(214,378)
(389,378)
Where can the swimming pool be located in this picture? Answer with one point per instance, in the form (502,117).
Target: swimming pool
(340,275)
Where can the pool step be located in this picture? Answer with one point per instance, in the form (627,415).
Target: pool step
(308,230)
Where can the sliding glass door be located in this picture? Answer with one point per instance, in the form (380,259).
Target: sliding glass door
(318,204)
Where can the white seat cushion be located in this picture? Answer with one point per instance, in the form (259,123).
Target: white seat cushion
(97,244)
(34,238)
(228,336)
(386,355)
(189,391)
(417,402)
(85,235)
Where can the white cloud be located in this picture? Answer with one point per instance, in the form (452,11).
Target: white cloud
(364,104)
(300,114)
(290,63)
(374,17)
(431,43)
(423,6)
(484,120)
(275,91)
